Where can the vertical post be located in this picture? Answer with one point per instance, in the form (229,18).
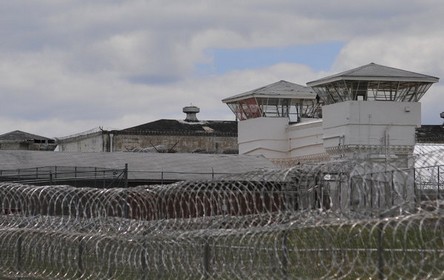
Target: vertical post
(95,177)
(75,175)
(380,233)
(50,177)
(438,196)
(125,190)
(393,188)
(415,191)
(160,263)
(371,192)
(19,253)
(125,176)
(340,191)
(80,259)
(161,177)
(144,261)
(352,193)
(212,173)
(206,259)
(284,260)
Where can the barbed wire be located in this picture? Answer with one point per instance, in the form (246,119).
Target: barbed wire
(343,220)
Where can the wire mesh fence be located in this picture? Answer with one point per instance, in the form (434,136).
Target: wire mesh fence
(340,220)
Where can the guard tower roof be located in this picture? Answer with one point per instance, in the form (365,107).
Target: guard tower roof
(281,89)
(372,72)
(373,82)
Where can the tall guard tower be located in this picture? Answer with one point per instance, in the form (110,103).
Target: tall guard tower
(371,111)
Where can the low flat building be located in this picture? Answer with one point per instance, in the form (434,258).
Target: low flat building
(162,136)
(19,140)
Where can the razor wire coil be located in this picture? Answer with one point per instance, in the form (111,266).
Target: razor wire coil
(342,220)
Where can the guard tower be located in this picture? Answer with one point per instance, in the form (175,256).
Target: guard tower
(265,115)
(371,111)
(278,100)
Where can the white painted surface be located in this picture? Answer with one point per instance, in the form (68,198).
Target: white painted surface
(368,122)
(264,136)
(306,138)
(91,143)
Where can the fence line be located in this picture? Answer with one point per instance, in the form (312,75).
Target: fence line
(100,177)
(341,220)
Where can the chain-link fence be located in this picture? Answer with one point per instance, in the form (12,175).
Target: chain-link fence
(338,220)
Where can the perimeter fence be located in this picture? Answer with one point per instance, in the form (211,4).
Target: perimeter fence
(97,177)
(340,220)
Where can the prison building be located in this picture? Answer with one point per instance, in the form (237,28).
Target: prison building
(19,140)
(189,135)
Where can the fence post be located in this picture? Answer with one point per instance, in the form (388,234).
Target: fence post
(95,177)
(284,255)
(415,190)
(19,253)
(75,175)
(144,261)
(125,176)
(206,259)
(380,249)
(438,196)
(80,259)
(126,207)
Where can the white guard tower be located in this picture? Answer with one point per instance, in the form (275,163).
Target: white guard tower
(271,117)
(371,111)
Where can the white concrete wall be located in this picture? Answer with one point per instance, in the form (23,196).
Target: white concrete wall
(306,138)
(91,143)
(264,136)
(367,123)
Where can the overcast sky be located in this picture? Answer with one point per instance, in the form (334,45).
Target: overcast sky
(68,66)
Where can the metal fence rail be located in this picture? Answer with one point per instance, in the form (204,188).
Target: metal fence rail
(308,222)
(72,175)
(101,177)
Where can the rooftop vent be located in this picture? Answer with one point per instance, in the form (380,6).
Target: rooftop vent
(442,116)
(191,112)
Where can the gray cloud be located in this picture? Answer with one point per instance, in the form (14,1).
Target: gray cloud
(67,66)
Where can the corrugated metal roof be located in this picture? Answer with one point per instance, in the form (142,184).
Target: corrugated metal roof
(139,163)
(281,89)
(376,72)
(18,135)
